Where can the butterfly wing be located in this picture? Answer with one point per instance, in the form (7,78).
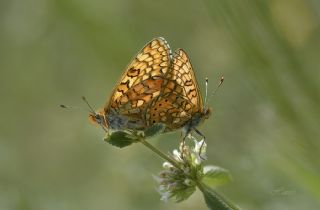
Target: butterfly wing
(171,109)
(180,98)
(182,72)
(139,84)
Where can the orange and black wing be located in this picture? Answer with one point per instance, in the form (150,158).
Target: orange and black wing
(182,72)
(142,80)
(180,97)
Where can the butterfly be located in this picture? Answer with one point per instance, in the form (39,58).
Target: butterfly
(158,86)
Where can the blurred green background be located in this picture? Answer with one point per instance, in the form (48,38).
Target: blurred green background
(265,126)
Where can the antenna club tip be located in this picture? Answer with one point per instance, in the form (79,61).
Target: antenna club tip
(222,78)
(62,106)
(207,79)
(83,98)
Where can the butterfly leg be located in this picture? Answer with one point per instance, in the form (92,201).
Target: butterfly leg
(183,143)
(203,136)
(184,135)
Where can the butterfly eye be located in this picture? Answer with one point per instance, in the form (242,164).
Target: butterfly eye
(98,118)
(207,113)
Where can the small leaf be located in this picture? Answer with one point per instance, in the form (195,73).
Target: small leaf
(183,194)
(215,201)
(121,139)
(215,176)
(155,129)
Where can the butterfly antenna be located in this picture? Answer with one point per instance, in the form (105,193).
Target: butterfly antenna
(215,90)
(206,96)
(76,107)
(93,112)
(90,107)
(73,107)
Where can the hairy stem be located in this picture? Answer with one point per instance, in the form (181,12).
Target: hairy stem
(161,154)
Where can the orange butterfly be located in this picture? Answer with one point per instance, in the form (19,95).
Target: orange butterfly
(156,87)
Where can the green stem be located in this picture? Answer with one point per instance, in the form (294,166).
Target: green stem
(161,154)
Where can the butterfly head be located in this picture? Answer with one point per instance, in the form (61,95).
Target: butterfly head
(99,119)
(197,119)
(206,113)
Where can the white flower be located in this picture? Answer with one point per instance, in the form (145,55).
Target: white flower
(179,181)
(177,155)
(167,165)
(165,196)
(188,182)
(199,151)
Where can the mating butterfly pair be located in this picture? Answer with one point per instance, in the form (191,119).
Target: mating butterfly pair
(156,87)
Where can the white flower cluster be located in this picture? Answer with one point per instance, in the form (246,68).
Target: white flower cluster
(180,183)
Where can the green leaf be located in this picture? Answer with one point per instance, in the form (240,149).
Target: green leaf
(215,201)
(155,129)
(121,139)
(215,176)
(183,194)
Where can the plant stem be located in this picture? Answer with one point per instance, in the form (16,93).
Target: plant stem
(161,154)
